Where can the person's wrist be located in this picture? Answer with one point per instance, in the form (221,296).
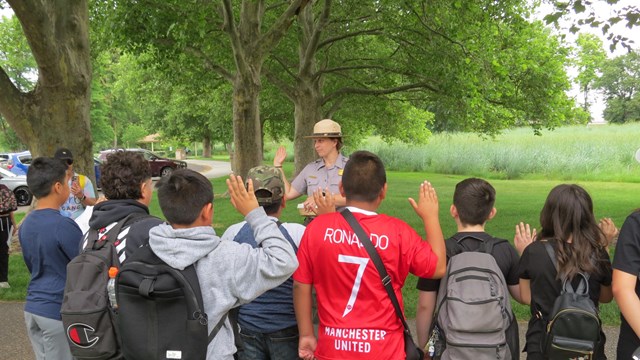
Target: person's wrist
(82,198)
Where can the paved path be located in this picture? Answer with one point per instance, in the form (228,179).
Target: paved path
(210,168)
(15,344)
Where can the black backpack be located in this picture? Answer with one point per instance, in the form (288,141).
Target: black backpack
(88,319)
(573,327)
(161,313)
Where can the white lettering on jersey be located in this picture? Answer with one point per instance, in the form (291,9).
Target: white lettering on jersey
(340,236)
(354,340)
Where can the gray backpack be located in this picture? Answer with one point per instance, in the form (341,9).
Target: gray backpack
(473,310)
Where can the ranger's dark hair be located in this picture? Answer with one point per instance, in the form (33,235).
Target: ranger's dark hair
(474,199)
(43,173)
(364,176)
(122,175)
(182,195)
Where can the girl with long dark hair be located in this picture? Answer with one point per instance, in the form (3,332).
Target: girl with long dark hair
(580,246)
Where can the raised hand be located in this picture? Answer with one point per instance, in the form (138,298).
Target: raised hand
(523,237)
(244,200)
(281,156)
(609,230)
(427,205)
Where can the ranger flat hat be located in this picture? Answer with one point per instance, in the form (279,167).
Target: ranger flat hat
(267,178)
(326,128)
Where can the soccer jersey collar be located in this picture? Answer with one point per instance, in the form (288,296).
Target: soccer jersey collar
(354,209)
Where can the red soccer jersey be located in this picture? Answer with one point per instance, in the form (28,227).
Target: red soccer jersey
(357,320)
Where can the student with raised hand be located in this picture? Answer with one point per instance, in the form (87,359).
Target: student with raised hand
(357,319)
(230,274)
(569,226)
(626,288)
(268,328)
(472,208)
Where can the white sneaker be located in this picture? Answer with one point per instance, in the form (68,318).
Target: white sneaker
(4,285)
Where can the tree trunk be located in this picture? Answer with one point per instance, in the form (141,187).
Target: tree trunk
(56,112)
(308,111)
(246,126)
(250,47)
(206,146)
(308,91)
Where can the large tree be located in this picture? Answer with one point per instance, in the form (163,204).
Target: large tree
(56,112)
(590,59)
(232,39)
(479,66)
(620,82)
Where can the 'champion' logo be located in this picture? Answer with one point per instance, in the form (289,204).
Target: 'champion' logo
(80,335)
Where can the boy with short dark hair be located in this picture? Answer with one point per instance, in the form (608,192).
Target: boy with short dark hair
(472,207)
(49,241)
(230,274)
(357,319)
(268,327)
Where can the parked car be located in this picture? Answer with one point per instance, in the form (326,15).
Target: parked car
(17,184)
(18,163)
(160,166)
(4,159)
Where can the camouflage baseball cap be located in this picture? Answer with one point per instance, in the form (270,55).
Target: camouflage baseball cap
(267,178)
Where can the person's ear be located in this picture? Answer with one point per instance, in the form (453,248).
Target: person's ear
(341,188)
(206,214)
(453,211)
(146,192)
(493,213)
(58,187)
(383,192)
(283,202)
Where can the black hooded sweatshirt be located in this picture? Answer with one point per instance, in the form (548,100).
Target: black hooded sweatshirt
(132,235)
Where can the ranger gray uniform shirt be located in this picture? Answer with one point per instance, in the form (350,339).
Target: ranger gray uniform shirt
(317,175)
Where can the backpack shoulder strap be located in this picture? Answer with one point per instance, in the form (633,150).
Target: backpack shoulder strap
(490,243)
(486,246)
(377,261)
(217,328)
(95,242)
(551,253)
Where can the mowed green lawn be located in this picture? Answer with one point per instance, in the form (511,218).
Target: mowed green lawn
(517,200)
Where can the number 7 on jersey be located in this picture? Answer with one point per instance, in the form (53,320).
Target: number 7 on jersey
(362,264)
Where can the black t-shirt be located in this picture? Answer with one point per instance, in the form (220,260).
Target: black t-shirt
(504,253)
(627,259)
(537,267)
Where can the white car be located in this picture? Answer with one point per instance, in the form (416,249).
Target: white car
(17,184)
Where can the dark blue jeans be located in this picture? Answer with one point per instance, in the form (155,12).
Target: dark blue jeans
(279,345)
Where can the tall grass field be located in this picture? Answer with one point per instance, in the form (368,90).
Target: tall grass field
(597,153)
(521,166)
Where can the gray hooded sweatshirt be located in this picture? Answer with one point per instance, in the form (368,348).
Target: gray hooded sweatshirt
(230,274)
